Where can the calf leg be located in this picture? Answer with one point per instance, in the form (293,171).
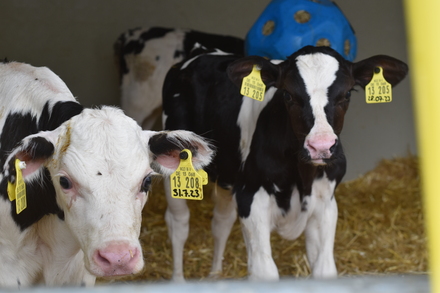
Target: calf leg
(224,217)
(256,231)
(177,219)
(320,234)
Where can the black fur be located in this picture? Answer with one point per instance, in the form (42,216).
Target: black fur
(160,144)
(123,47)
(202,98)
(40,195)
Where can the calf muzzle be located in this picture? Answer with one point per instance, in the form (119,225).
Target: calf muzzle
(117,259)
(321,148)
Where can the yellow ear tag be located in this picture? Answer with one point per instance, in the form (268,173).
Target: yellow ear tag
(186,182)
(17,191)
(11,191)
(378,90)
(253,86)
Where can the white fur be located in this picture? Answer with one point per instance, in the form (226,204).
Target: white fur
(177,219)
(318,72)
(256,231)
(204,151)
(115,147)
(224,216)
(321,229)
(318,222)
(217,52)
(29,95)
(105,154)
(139,98)
(247,120)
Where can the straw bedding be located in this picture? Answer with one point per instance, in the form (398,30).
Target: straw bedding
(380,231)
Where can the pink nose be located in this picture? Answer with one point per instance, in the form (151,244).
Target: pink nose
(321,147)
(117,259)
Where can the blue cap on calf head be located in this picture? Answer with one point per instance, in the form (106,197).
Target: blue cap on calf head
(286,26)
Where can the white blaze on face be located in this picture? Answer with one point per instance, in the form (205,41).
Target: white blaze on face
(318,72)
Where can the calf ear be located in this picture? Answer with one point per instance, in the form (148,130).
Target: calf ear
(34,150)
(241,68)
(394,70)
(165,147)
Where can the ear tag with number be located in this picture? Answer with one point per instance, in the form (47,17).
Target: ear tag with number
(378,90)
(186,182)
(17,190)
(253,86)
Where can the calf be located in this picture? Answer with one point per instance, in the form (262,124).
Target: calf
(145,55)
(280,159)
(86,172)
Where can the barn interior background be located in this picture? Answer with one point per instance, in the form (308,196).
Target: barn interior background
(75,39)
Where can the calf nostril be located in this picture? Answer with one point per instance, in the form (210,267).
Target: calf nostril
(103,259)
(118,259)
(311,147)
(333,147)
(116,256)
(321,147)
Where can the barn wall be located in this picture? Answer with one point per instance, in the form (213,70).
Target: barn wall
(75,38)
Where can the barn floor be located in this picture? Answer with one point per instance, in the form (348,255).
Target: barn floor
(380,232)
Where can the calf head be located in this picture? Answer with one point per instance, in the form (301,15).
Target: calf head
(101,164)
(315,84)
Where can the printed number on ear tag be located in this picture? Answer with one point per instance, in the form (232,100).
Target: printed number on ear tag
(378,90)
(253,86)
(186,182)
(17,190)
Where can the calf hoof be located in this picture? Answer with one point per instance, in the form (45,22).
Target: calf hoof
(267,277)
(178,279)
(213,276)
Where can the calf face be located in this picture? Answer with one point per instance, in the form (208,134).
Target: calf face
(316,85)
(100,163)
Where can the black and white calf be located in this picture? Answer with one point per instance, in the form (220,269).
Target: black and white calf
(281,159)
(87,174)
(146,54)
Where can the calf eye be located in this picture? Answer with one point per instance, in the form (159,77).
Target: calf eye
(292,100)
(287,97)
(65,182)
(345,98)
(145,187)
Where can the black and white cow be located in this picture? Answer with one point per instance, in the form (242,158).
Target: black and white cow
(144,57)
(87,173)
(281,159)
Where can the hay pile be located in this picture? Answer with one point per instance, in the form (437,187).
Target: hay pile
(380,231)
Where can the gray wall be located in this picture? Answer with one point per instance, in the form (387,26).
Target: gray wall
(75,39)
